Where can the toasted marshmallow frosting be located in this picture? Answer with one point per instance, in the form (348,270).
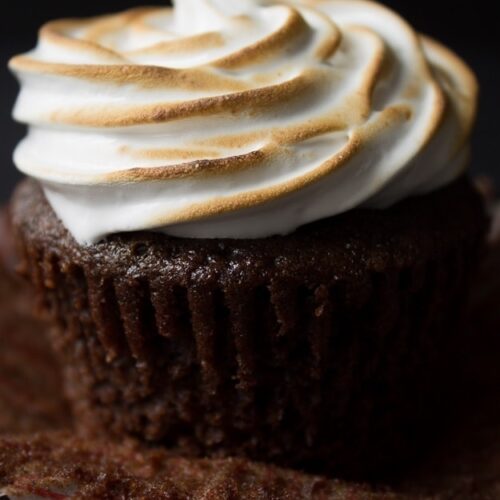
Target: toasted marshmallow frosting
(238,119)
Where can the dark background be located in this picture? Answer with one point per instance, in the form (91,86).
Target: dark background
(470,28)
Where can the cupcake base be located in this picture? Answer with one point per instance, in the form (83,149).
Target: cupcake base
(323,349)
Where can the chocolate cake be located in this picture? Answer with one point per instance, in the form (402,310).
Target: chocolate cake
(465,458)
(289,349)
(464,466)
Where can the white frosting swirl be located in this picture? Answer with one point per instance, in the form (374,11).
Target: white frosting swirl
(238,119)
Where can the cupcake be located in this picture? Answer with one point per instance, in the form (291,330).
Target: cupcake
(251,224)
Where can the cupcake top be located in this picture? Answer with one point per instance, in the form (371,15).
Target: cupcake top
(240,119)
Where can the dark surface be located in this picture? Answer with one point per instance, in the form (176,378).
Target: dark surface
(467,27)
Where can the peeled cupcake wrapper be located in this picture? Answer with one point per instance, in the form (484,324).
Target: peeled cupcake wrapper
(60,465)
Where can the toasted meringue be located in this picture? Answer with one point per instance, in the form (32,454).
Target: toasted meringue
(239,119)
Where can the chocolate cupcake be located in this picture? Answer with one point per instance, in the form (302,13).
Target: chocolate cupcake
(464,465)
(251,224)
